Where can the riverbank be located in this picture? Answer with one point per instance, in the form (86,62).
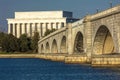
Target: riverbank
(53,57)
(17,55)
(96,61)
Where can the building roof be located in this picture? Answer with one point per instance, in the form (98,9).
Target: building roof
(43,14)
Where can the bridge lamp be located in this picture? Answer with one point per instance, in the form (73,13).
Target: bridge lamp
(110,4)
(97,10)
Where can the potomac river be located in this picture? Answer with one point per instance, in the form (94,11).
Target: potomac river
(38,69)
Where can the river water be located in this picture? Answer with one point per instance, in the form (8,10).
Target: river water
(38,69)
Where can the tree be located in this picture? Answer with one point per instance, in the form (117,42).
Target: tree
(13,43)
(1,38)
(34,42)
(5,43)
(52,30)
(24,43)
(9,43)
(48,31)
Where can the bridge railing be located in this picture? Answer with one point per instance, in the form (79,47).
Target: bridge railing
(107,12)
(52,34)
(78,23)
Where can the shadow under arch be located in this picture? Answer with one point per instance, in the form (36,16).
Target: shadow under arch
(78,43)
(47,48)
(103,41)
(42,49)
(54,47)
(63,45)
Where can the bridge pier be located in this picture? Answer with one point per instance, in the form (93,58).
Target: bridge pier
(88,37)
(70,44)
(106,61)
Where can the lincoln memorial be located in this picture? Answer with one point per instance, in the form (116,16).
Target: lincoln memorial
(38,21)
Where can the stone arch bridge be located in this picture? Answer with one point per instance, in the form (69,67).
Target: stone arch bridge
(95,37)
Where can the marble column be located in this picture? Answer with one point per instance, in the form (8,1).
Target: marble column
(20,25)
(62,25)
(36,27)
(49,26)
(33,29)
(54,25)
(46,25)
(14,29)
(18,30)
(43,29)
(9,28)
(40,30)
(28,29)
(59,25)
(23,28)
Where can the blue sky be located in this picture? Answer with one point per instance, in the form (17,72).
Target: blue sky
(79,7)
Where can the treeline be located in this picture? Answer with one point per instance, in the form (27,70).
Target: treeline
(48,31)
(9,43)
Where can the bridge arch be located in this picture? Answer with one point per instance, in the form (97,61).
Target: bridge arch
(63,46)
(103,41)
(47,48)
(78,43)
(42,48)
(54,48)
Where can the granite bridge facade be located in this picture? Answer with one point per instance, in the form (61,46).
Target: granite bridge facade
(94,39)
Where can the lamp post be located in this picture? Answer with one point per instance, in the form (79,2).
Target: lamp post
(97,10)
(110,4)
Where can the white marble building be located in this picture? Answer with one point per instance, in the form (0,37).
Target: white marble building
(38,21)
